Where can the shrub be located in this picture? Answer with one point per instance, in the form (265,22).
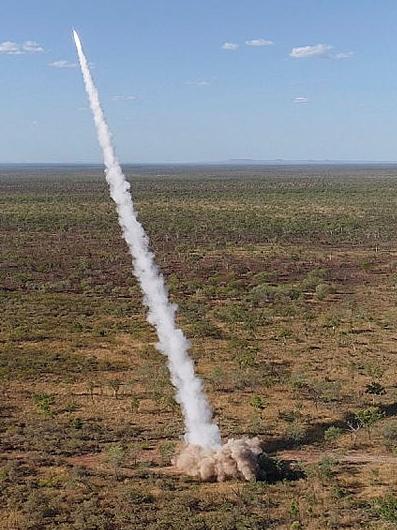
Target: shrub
(323,290)
(136,496)
(313,278)
(263,293)
(372,370)
(365,419)
(115,457)
(44,402)
(89,515)
(332,434)
(257,402)
(115,385)
(167,449)
(263,277)
(296,431)
(294,509)
(368,417)
(330,391)
(246,358)
(266,293)
(298,381)
(326,467)
(39,508)
(324,470)
(386,508)
(134,403)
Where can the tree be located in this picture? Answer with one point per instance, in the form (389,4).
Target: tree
(367,418)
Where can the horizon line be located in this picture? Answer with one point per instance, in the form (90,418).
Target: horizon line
(231,161)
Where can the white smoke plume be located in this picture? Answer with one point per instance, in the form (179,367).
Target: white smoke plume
(203,456)
(235,459)
(200,427)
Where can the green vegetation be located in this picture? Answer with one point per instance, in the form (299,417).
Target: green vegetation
(386,508)
(285,278)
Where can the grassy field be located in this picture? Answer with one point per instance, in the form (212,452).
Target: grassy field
(286,281)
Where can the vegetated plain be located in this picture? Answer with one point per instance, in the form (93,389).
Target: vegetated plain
(286,281)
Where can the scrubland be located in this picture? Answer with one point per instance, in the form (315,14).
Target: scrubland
(286,282)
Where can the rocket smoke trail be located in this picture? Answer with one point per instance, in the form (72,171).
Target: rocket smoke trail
(201,430)
(203,455)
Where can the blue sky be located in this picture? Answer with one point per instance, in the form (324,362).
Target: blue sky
(201,80)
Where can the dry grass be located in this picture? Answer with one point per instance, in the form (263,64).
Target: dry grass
(286,286)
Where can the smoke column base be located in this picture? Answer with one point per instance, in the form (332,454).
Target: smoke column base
(236,459)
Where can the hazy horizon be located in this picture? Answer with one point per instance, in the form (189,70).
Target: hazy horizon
(278,161)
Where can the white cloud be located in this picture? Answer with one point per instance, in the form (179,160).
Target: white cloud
(301,100)
(344,55)
(10,48)
(318,50)
(13,48)
(124,98)
(198,83)
(232,46)
(259,42)
(63,64)
(31,46)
